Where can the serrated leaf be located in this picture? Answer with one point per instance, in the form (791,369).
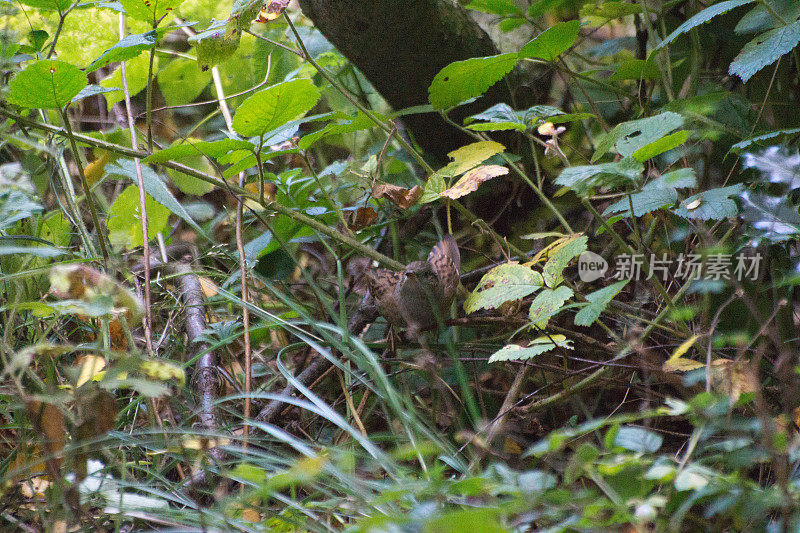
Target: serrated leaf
(504,283)
(765,50)
(649,151)
(628,137)
(713,204)
(127,48)
(540,345)
(582,178)
(275,106)
(462,80)
(553,269)
(762,137)
(125,219)
(547,303)
(598,300)
(46,84)
(60,5)
(701,18)
(552,42)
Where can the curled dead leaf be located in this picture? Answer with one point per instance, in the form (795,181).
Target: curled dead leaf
(270,11)
(399,196)
(361,218)
(470,181)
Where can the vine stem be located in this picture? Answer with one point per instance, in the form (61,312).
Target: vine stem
(148,315)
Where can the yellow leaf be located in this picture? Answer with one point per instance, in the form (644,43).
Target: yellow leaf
(681,364)
(470,156)
(683,348)
(470,181)
(91,366)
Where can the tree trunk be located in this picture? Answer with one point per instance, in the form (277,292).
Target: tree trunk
(400,45)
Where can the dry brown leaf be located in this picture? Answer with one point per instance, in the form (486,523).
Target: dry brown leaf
(90,365)
(49,423)
(734,378)
(271,10)
(361,218)
(470,181)
(399,196)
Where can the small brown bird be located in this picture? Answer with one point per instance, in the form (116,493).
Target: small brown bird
(413,298)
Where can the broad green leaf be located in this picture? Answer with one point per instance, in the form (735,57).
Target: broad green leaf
(701,18)
(275,106)
(582,178)
(469,156)
(661,192)
(357,123)
(637,439)
(181,81)
(497,126)
(540,345)
(154,187)
(243,12)
(191,148)
(60,5)
(553,269)
(547,303)
(462,80)
(636,69)
(504,283)
(664,144)
(598,300)
(125,219)
(46,84)
(609,10)
(713,204)
(215,45)
(475,520)
(433,189)
(765,50)
(499,115)
(127,48)
(150,11)
(540,7)
(552,42)
(92,90)
(762,18)
(136,70)
(628,137)
(497,7)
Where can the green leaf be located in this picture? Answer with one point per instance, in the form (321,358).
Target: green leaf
(541,7)
(46,84)
(628,137)
(92,90)
(664,144)
(470,156)
(36,251)
(155,187)
(582,178)
(194,148)
(742,145)
(215,45)
(765,50)
(433,189)
(504,283)
(609,10)
(762,17)
(125,219)
(598,300)
(181,81)
(552,42)
(136,70)
(540,345)
(498,117)
(554,268)
(638,439)
(497,7)
(127,48)
(60,5)
(357,123)
(547,303)
(713,204)
(150,11)
(636,69)
(661,192)
(701,18)
(275,106)
(462,80)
